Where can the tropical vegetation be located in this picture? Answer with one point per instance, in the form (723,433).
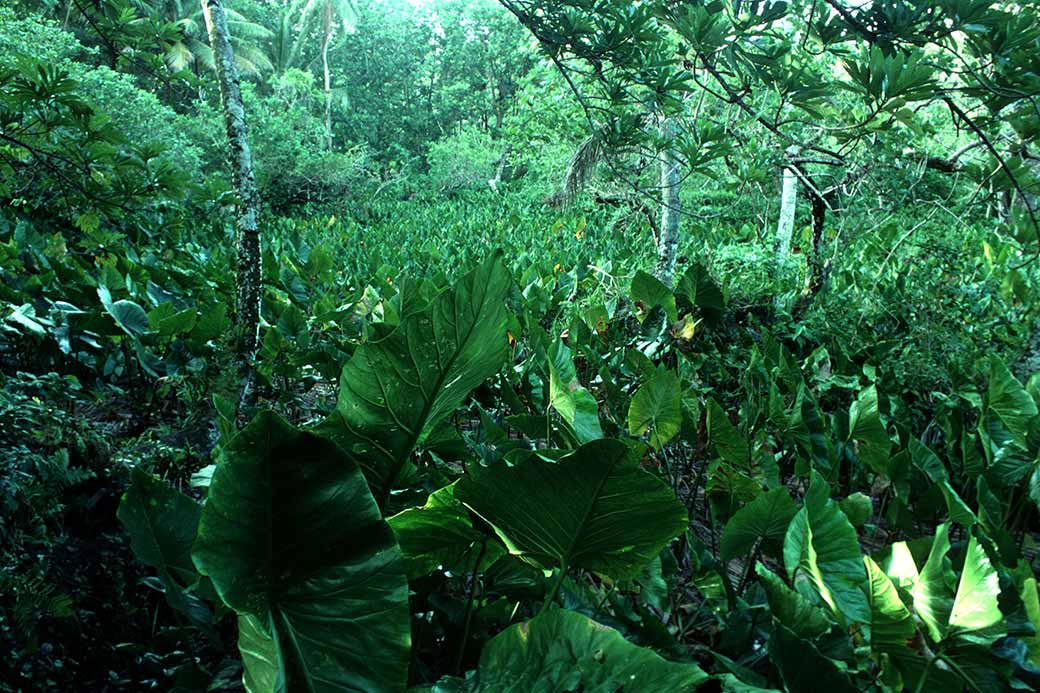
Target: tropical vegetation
(519,345)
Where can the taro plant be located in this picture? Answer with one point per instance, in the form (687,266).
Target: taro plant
(291,536)
(551,535)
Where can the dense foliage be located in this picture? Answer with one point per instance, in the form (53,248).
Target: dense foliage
(502,434)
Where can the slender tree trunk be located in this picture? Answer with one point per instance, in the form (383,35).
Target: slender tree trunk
(785,226)
(1029,362)
(671,209)
(326,39)
(817,275)
(500,169)
(1031,189)
(247,241)
(815,259)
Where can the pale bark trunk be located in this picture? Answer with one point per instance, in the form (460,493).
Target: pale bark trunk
(247,241)
(1031,188)
(785,226)
(1029,362)
(500,170)
(328,89)
(671,209)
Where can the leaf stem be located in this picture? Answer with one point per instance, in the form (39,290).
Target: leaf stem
(924,675)
(469,608)
(957,670)
(750,567)
(551,597)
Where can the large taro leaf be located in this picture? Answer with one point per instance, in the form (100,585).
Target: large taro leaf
(821,553)
(972,613)
(766,518)
(440,535)
(260,667)
(699,288)
(565,651)
(593,509)
(656,408)
(803,618)
(1010,430)
(1008,402)
(932,596)
(929,464)
(569,398)
(891,626)
(975,611)
(866,431)
(394,390)
(809,431)
(162,524)
(858,507)
(900,567)
(648,292)
(729,443)
(1031,602)
(803,667)
(964,624)
(129,316)
(294,542)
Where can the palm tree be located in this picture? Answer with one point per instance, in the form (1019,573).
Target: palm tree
(283,49)
(192,50)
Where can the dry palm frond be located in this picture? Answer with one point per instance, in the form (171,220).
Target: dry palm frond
(581,167)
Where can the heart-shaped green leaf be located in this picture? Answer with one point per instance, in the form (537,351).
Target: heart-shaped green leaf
(564,651)
(394,390)
(162,523)
(803,618)
(821,548)
(440,535)
(765,518)
(129,316)
(575,404)
(294,542)
(891,626)
(866,431)
(656,408)
(593,509)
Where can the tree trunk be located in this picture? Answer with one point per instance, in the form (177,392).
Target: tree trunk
(815,259)
(500,169)
(1029,362)
(785,227)
(1031,199)
(247,241)
(326,39)
(671,208)
(817,275)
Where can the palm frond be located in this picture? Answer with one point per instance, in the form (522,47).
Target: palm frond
(255,58)
(179,56)
(581,167)
(284,47)
(205,56)
(240,26)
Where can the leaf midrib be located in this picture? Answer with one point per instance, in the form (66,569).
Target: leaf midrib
(568,558)
(413,438)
